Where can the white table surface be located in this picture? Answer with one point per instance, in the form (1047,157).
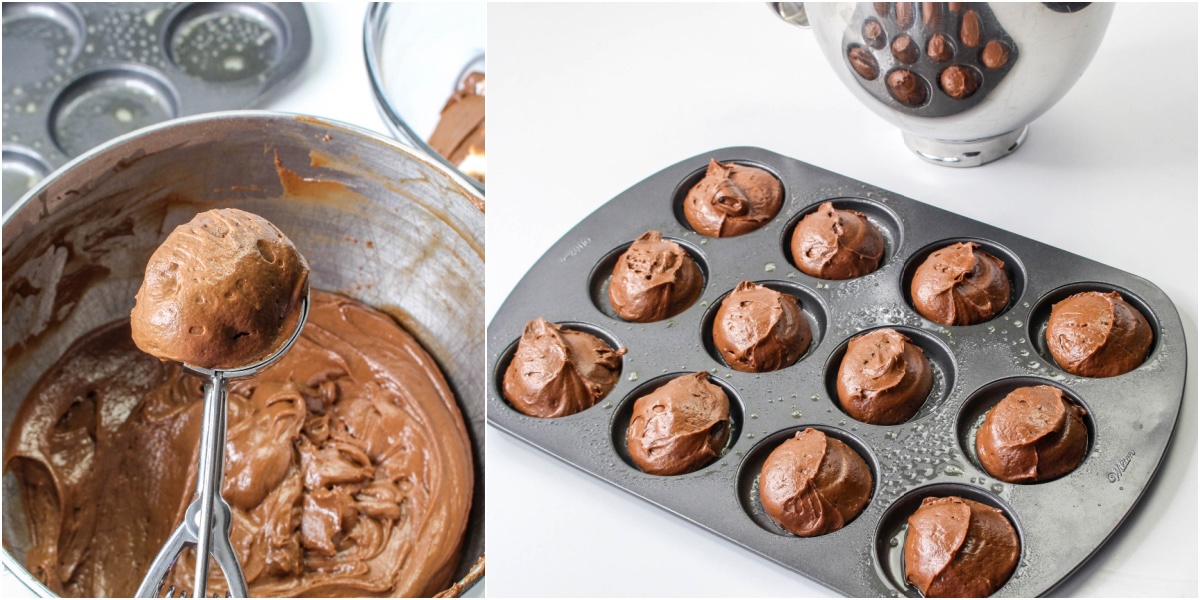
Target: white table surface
(334,84)
(586,100)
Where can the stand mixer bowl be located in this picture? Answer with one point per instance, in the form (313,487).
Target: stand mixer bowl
(379,222)
(1038,52)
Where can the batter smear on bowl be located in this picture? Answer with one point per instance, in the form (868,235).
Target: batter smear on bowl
(349,467)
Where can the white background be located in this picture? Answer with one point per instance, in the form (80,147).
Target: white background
(586,100)
(334,84)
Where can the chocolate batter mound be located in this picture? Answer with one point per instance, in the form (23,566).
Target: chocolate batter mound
(1034,434)
(680,427)
(558,372)
(221,291)
(958,548)
(836,244)
(653,280)
(884,378)
(960,285)
(758,329)
(460,134)
(813,484)
(732,200)
(348,464)
(1094,334)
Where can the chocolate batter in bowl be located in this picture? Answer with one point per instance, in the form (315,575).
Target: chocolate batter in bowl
(381,226)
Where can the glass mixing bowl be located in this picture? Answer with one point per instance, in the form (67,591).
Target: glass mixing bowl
(417,55)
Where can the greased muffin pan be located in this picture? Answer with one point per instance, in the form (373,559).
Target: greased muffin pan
(1060,523)
(79,74)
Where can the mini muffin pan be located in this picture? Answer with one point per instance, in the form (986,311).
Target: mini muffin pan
(1061,523)
(79,74)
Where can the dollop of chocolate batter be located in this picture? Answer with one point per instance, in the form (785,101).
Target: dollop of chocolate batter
(653,280)
(732,200)
(460,134)
(221,291)
(884,378)
(680,427)
(558,372)
(959,548)
(960,285)
(1033,434)
(348,467)
(836,244)
(758,329)
(1095,334)
(814,484)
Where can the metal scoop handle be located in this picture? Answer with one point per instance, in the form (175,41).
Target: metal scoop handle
(209,510)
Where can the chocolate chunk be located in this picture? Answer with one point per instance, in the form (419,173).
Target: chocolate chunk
(863,62)
(906,87)
(959,82)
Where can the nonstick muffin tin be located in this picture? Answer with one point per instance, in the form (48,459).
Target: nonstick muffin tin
(1131,417)
(79,74)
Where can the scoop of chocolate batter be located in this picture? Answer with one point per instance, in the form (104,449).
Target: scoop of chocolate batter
(959,548)
(836,244)
(732,200)
(653,280)
(220,292)
(680,427)
(960,285)
(558,372)
(884,378)
(758,329)
(1033,434)
(1094,334)
(814,484)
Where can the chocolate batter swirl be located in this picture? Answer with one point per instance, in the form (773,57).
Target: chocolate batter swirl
(349,468)
(680,427)
(836,244)
(960,285)
(653,280)
(732,200)
(558,372)
(1033,434)
(758,329)
(1094,334)
(958,548)
(813,484)
(884,378)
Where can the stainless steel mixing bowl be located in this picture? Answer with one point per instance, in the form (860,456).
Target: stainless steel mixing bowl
(376,220)
(1046,46)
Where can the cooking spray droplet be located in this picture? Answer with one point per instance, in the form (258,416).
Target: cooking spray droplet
(703,242)
(1016,323)
(750,435)
(608,405)
(704,303)
(753,415)
(769,267)
(953,470)
(997,488)
(991,329)
(633,376)
(671,323)
(797,414)
(791,275)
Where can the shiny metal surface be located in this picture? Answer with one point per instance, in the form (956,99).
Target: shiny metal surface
(417,54)
(378,221)
(1049,47)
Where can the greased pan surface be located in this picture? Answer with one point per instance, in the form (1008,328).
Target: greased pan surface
(1061,523)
